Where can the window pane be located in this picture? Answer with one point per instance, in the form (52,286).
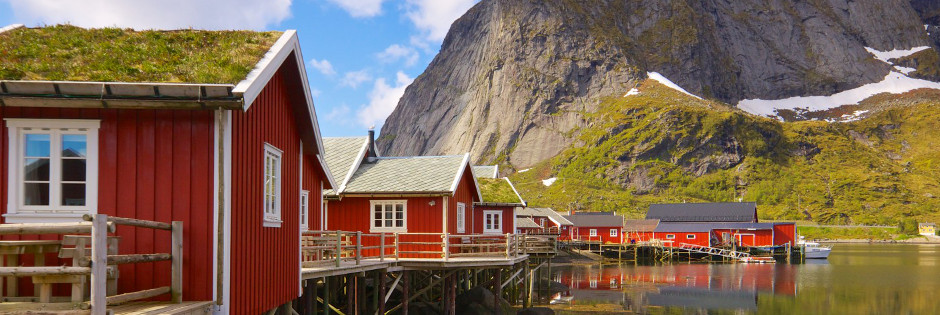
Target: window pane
(399,215)
(73,170)
(399,223)
(74,146)
(37,145)
(73,194)
(378,223)
(37,170)
(36,194)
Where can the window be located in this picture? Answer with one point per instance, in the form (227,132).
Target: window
(593,232)
(690,236)
(461,215)
(304,209)
(492,221)
(613,232)
(53,167)
(670,236)
(272,186)
(593,284)
(542,222)
(613,283)
(388,216)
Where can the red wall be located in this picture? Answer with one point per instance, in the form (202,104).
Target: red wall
(466,193)
(748,237)
(313,178)
(785,233)
(583,233)
(153,165)
(508,216)
(353,214)
(264,257)
(701,238)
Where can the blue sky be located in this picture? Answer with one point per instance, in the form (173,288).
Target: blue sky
(360,54)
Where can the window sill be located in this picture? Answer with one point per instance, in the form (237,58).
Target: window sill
(388,230)
(43,217)
(493,232)
(271,223)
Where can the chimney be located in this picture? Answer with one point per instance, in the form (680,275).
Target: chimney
(370,148)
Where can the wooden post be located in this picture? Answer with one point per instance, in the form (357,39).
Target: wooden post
(381,246)
(326,295)
(312,297)
(452,295)
(358,247)
(405,287)
(99,265)
(176,269)
(397,255)
(339,247)
(499,284)
(350,295)
(508,245)
(446,246)
(529,286)
(382,289)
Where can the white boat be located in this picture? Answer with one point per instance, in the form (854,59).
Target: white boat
(812,250)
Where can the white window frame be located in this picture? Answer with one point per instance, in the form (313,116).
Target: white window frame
(497,226)
(54,212)
(392,229)
(304,210)
(593,232)
(613,232)
(461,217)
(272,216)
(670,236)
(690,236)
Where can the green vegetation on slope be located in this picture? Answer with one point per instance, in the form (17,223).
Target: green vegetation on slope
(70,53)
(663,146)
(497,190)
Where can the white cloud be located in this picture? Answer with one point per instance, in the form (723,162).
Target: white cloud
(360,8)
(315,92)
(354,78)
(154,14)
(324,66)
(382,100)
(434,17)
(339,114)
(398,52)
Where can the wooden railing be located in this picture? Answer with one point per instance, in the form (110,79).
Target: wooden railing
(98,264)
(335,247)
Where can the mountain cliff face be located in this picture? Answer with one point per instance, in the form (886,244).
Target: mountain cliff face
(517,79)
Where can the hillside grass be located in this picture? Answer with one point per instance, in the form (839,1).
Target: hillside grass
(70,53)
(875,171)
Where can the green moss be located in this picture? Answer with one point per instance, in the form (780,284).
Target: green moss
(70,53)
(497,190)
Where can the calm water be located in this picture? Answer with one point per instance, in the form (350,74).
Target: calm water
(856,279)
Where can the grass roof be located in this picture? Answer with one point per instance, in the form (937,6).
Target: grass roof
(70,53)
(497,190)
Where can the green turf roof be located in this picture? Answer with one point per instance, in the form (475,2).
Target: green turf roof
(70,53)
(497,190)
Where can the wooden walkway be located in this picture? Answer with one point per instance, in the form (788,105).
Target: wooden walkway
(136,308)
(369,264)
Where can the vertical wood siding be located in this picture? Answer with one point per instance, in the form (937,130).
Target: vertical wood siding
(313,177)
(507,212)
(153,165)
(354,213)
(603,234)
(466,193)
(264,259)
(784,234)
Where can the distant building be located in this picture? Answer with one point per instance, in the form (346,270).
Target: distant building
(713,224)
(604,227)
(547,220)
(927,228)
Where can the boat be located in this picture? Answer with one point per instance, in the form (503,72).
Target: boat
(812,250)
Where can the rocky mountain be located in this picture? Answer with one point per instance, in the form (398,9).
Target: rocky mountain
(515,78)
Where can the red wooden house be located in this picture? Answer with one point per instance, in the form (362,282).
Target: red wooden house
(231,150)
(496,213)
(411,196)
(548,220)
(604,227)
(718,224)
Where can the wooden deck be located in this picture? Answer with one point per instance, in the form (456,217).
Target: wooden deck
(369,264)
(141,308)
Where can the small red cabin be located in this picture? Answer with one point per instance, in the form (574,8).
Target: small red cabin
(496,213)
(718,224)
(604,227)
(548,221)
(232,158)
(412,196)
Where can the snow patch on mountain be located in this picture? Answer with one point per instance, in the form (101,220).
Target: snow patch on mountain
(664,81)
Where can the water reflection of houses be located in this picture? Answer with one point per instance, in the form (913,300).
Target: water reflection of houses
(691,285)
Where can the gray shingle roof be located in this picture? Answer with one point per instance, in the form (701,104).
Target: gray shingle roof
(704,212)
(340,155)
(544,212)
(486,171)
(588,219)
(420,174)
(640,225)
(523,222)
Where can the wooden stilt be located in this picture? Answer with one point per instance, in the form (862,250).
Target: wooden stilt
(326,296)
(499,284)
(312,298)
(382,291)
(405,287)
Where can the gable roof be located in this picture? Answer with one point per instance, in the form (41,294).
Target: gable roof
(692,227)
(588,219)
(526,223)
(640,225)
(498,191)
(704,212)
(486,171)
(549,213)
(343,155)
(409,175)
(197,70)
